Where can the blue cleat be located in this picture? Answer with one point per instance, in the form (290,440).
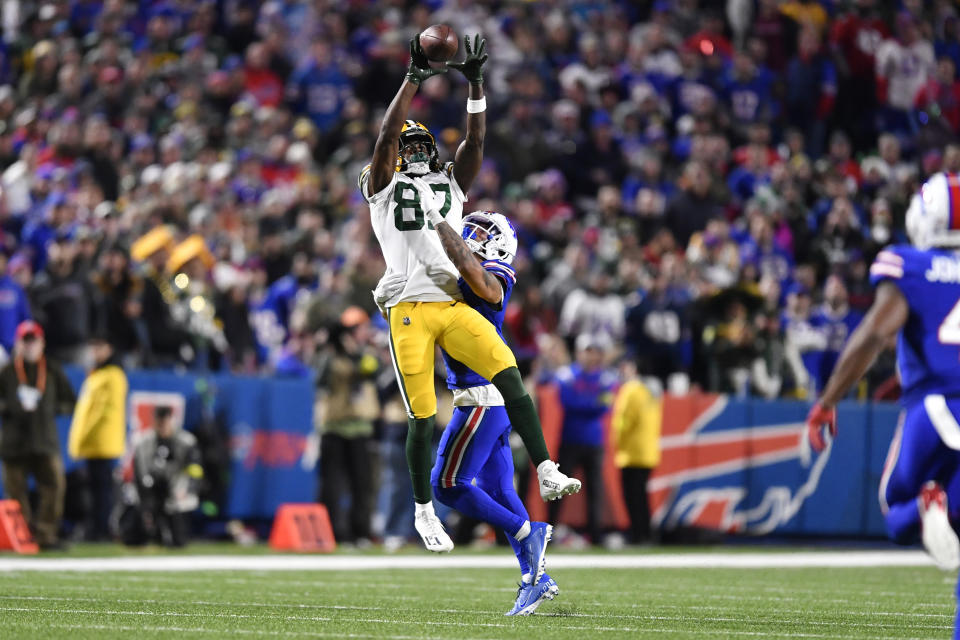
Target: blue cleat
(529,596)
(535,547)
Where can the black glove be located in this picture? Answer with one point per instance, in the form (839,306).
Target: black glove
(420,69)
(472,66)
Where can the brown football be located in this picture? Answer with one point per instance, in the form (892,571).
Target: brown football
(439,42)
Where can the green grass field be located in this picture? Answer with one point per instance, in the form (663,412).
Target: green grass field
(871,602)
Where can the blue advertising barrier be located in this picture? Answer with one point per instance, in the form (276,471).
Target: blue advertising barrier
(744,466)
(267,421)
(732,465)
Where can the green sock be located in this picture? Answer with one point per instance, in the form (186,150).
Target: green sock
(522,413)
(419,440)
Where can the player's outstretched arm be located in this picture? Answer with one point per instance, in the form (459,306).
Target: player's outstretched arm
(884,319)
(481,282)
(887,315)
(469,155)
(386,148)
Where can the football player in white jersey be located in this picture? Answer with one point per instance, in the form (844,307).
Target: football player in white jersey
(429,310)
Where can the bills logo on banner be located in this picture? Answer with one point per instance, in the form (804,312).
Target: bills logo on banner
(718,474)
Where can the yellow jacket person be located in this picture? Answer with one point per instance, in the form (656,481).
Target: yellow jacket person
(637,412)
(636,426)
(99,426)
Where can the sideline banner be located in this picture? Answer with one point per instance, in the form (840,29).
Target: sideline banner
(742,466)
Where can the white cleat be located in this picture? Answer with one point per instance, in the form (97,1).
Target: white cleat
(554,484)
(432,533)
(939,538)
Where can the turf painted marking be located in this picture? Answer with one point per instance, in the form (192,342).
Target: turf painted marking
(844,559)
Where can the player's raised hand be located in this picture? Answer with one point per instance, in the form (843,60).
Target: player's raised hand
(818,419)
(420,69)
(472,66)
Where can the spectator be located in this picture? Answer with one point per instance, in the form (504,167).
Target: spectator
(691,209)
(939,98)
(635,422)
(658,328)
(835,320)
(811,81)
(593,310)
(119,301)
(33,391)
(98,433)
(586,393)
(855,37)
(61,291)
(167,472)
(14,307)
(349,408)
(803,343)
(903,66)
(319,88)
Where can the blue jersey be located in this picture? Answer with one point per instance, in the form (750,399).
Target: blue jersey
(928,346)
(459,375)
(271,318)
(836,328)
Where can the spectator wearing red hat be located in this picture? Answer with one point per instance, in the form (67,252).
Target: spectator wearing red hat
(33,392)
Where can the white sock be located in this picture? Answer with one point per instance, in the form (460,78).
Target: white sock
(425,508)
(523,532)
(526,578)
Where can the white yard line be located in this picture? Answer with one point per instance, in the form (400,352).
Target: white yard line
(256,632)
(168,603)
(320,634)
(585,561)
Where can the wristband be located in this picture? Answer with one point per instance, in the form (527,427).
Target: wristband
(433,217)
(477,106)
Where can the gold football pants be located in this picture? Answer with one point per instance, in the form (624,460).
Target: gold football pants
(415,327)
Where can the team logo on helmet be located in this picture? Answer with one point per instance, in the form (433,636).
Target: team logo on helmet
(490,235)
(422,161)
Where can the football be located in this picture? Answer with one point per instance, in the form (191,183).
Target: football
(439,42)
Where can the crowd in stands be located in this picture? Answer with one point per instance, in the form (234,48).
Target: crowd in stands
(705,183)
(699,185)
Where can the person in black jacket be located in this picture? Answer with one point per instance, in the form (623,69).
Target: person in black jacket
(33,392)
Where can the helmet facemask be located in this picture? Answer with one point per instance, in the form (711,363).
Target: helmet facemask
(424,158)
(489,237)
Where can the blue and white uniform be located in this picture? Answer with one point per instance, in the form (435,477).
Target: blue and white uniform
(926,445)
(476,442)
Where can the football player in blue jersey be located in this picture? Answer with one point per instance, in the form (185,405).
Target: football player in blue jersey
(475,444)
(918,301)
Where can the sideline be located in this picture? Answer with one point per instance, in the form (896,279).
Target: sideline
(787,560)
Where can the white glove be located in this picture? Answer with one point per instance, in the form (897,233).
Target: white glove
(430,201)
(389,288)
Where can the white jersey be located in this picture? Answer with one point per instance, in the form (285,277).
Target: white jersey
(409,243)
(907,69)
